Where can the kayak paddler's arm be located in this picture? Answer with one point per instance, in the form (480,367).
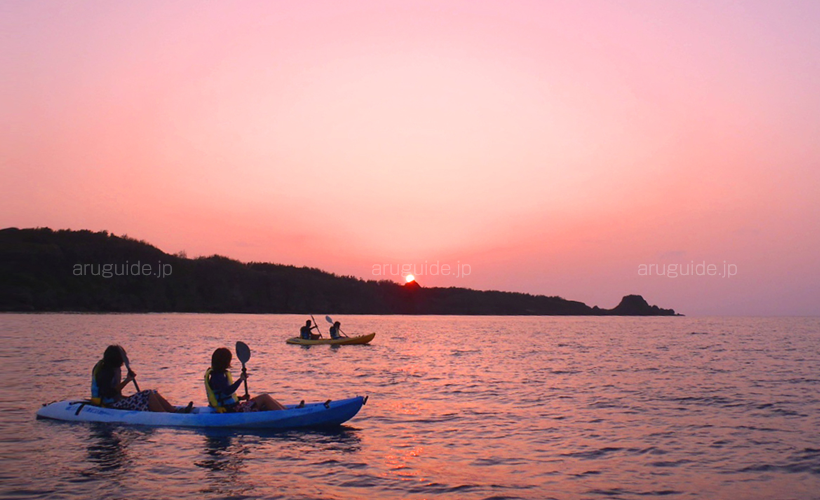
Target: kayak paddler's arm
(219,384)
(128,379)
(234,387)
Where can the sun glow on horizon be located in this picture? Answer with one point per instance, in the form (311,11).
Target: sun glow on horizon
(410,278)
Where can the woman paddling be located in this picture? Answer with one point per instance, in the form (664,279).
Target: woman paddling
(222,390)
(107,386)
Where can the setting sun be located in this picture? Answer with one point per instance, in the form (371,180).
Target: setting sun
(410,278)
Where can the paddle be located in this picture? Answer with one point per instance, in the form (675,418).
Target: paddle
(330,320)
(128,367)
(317,325)
(243,353)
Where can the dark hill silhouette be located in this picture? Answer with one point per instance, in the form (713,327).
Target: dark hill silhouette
(46,270)
(635,305)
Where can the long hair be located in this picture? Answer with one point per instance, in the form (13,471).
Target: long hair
(221,359)
(113,356)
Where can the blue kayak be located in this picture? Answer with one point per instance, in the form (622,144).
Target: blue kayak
(328,414)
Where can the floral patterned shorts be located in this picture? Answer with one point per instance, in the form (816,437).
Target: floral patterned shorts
(135,402)
(244,407)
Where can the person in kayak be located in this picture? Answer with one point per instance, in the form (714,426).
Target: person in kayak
(335,330)
(221,388)
(107,386)
(305,331)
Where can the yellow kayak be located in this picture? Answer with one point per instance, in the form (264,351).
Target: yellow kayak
(361,339)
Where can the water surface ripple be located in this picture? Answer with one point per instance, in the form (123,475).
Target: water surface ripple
(460,407)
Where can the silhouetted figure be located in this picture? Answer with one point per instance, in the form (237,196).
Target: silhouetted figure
(335,330)
(305,331)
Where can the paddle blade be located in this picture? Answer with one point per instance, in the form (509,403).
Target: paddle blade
(329,319)
(243,352)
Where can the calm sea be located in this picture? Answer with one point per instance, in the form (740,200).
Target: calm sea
(460,407)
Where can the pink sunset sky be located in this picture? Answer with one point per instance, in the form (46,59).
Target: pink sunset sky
(553,147)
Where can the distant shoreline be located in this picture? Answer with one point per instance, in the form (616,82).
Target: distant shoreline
(42,270)
(331,313)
